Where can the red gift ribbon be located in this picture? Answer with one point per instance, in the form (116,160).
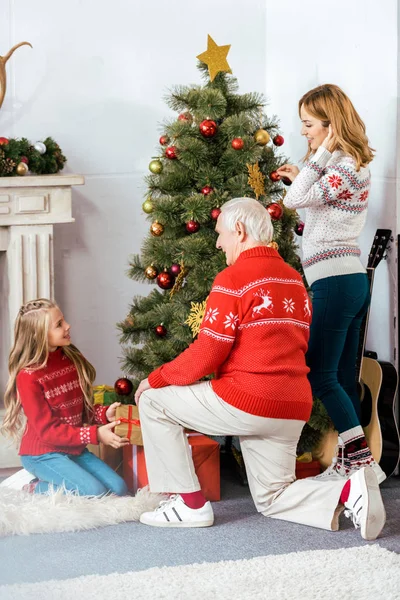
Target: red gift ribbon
(130,422)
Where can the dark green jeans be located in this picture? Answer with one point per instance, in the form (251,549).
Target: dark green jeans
(339,306)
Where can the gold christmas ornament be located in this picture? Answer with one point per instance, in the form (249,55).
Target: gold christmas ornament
(151,272)
(273,245)
(196,316)
(156,229)
(129,321)
(3,76)
(148,206)
(179,281)
(215,58)
(256,179)
(22,169)
(261,137)
(156,166)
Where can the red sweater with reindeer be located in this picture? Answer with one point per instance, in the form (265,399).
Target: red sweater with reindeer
(52,401)
(253,337)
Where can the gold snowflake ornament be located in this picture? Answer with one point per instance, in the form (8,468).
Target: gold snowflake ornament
(196,316)
(256,180)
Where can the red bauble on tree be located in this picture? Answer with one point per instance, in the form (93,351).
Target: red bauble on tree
(192,226)
(3,141)
(164,140)
(186,116)
(208,128)
(275,210)
(237,143)
(274,176)
(160,330)
(206,190)
(175,269)
(123,386)
(170,152)
(165,280)
(278,140)
(24,159)
(299,228)
(215,212)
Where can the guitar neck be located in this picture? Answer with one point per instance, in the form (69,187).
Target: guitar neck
(364,327)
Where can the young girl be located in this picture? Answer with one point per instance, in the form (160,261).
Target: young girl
(333,187)
(51,384)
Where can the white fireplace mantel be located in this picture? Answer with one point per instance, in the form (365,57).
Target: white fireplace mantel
(29,208)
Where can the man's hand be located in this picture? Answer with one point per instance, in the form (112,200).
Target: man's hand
(106,436)
(143,386)
(289,171)
(110,412)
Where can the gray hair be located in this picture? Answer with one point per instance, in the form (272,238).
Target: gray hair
(252,214)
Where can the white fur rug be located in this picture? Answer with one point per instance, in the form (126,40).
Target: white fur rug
(22,513)
(363,573)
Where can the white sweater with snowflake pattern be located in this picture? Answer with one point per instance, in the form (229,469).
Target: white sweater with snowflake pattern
(335,197)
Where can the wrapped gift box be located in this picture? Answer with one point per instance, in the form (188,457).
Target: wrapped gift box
(128,414)
(104,394)
(205,453)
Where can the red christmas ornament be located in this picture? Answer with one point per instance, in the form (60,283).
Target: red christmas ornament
(299,228)
(237,143)
(208,128)
(175,269)
(123,386)
(215,212)
(24,160)
(278,140)
(3,141)
(286,180)
(274,176)
(164,140)
(170,152)
(275,210)
(186,116)
(165,280)
(161,331)
(206,190)
(192,226)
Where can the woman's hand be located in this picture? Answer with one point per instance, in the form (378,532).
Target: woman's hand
(330,142)
(106,436)
(110,412)
(289,171)
(143,386)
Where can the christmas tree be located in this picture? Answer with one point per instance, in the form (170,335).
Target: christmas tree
(222,145)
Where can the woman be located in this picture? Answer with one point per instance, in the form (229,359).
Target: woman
(333,187)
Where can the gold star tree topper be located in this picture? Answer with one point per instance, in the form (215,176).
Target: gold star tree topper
(215,58)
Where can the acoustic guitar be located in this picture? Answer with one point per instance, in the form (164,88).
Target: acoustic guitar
(377,384)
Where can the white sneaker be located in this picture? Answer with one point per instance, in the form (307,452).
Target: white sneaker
(18,480)
(175,513)
(364,504)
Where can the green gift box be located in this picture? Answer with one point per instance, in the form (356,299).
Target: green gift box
(104,394)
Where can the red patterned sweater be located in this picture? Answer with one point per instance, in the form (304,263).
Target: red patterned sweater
(253,337)
(52,401)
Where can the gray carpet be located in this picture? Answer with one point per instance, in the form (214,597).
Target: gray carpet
(239,533)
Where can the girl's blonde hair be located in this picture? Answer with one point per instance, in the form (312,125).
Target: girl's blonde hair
(329,104)
(31,351)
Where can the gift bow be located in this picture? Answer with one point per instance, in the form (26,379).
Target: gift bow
(102,388)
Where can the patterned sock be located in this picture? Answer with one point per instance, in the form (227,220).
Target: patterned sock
(30,487)
(355,453)
(344,496)
(194,499)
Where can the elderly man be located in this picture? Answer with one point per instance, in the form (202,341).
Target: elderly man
(253,338)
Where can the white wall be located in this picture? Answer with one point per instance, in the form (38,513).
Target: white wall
(95,81)
(354,44)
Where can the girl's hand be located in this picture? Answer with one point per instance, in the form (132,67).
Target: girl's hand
(143,386)
(289,171)
(110,412)
(330,142)
(106,436)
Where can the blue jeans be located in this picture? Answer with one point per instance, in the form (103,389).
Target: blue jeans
(85,474)
(339,306)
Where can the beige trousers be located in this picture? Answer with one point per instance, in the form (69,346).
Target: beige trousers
(268,448)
